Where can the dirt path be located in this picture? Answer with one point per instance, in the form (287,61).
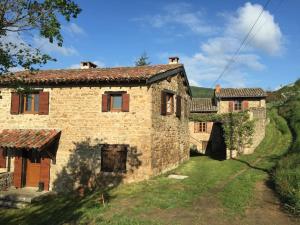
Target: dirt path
(264,210)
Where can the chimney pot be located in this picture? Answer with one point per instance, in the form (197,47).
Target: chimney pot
(87,65)
(218,88)
(173,60)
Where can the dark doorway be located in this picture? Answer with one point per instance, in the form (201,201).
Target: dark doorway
(216,147)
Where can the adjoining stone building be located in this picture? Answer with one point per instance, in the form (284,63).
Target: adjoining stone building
(126,121)
(207,137)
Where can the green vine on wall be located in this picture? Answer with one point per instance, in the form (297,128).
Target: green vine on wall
(238,128)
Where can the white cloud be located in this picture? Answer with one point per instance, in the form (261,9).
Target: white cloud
(209,61)
(266,35)
(47,47)
(179,14)
(74,29)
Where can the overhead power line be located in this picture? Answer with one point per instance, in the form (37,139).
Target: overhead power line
(232,59)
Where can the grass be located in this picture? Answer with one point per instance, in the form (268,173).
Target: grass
(139,203)
(287,173)
(239,193)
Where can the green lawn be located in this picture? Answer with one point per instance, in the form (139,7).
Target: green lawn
(138,203)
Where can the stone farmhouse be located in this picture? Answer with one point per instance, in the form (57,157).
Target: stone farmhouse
(207,137)
(131,121)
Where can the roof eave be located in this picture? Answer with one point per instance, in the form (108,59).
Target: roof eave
(164,75)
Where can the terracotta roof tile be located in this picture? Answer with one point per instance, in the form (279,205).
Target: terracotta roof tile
(203,105)
(241,92)
(26,138)
(67,76)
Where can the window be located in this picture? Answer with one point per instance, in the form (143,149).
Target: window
(30,103)
(170,103)
(115,102)
(237,105)
(200,127)
(113,158)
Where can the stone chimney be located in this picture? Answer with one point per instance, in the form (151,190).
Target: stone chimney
(87,65)
(173,60)
(218,88)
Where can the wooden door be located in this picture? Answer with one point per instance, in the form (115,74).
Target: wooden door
(32,173)
(18,171)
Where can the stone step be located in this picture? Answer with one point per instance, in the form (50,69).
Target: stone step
(15,198)
(13,204)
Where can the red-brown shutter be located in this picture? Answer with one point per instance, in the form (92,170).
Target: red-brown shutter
(245,104)
(125,102)
(2,158)
(178,106)
(45,172)
(163,103)
(18,171)
(15,103)
(104,103)
(43,103)
(231,103)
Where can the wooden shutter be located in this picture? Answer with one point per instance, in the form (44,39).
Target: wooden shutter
(125,102)
(245,104)
(163,103)
(43,103)
(18,171)
(2,158)
(209,126)
(45,172)
(178,106)
(104,103)
(15,103)
(231,105)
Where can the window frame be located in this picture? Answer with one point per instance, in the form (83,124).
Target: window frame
(23,103)
(169,96)
(200,127)
(111,96)
(237,105)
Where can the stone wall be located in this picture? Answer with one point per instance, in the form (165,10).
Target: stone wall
(77,113)
(196,139)
(156,142)
(223,105)
(170,135)
(260,122)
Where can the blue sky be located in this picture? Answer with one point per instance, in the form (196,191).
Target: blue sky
(204,34)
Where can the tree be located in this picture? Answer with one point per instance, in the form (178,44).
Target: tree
(19,17)
(143,60)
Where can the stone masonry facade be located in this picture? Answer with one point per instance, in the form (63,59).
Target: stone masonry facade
(161,142)
(257,111)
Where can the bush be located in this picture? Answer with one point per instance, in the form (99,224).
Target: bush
(287,172)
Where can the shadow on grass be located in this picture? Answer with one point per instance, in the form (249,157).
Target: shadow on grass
(80,186)
(252,166)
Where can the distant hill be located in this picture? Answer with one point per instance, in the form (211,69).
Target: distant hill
(201,92)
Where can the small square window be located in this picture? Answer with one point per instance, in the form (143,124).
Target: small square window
(30,103)
(237,105)
(200,127)
(116,102)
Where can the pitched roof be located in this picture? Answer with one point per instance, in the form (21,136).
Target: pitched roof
(203,105)
(241,92)
(27,138)
(94,75)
